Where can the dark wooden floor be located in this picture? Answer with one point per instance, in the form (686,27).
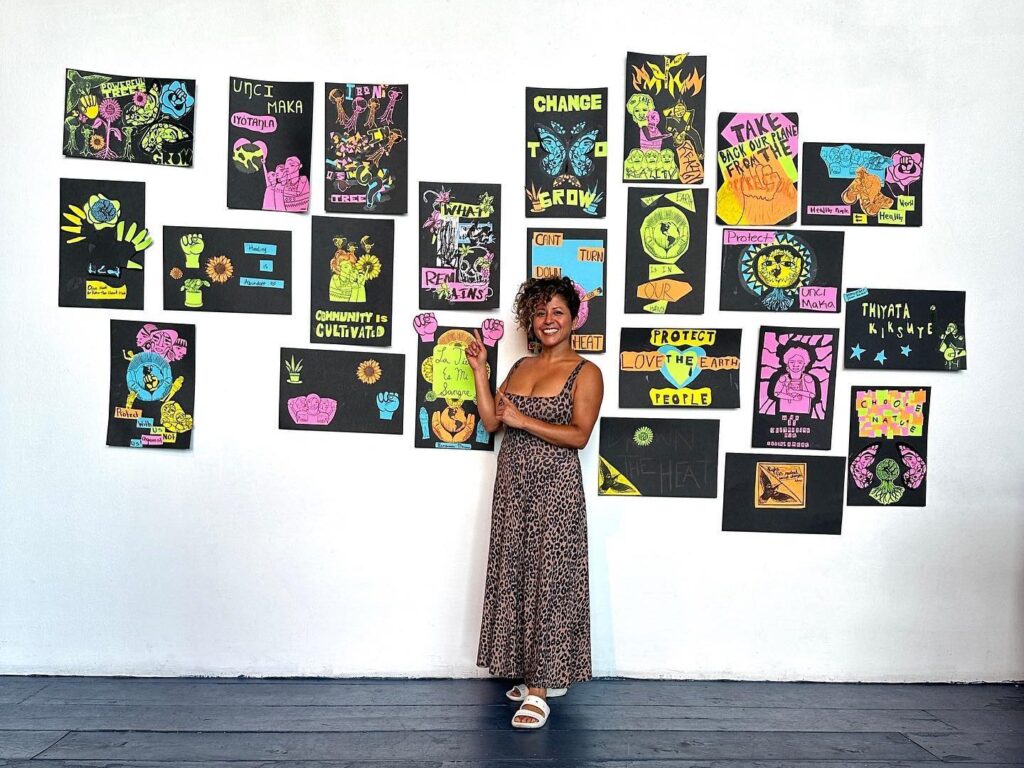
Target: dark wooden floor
(156,723)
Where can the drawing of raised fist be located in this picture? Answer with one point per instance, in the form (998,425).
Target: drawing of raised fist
(426,325)
(192,246)
(387,404)
(492,330)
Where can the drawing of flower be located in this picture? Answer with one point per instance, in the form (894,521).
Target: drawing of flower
(102,212)
(139,98)
(486,204)
(175,100)
(369,267)
(176,273)
(97,142)
(368,372)
(643,436)
(110,110)
(905,169)
(220,269)
(444,196)
(443,291)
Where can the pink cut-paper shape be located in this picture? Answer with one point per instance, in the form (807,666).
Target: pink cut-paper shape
(492,330)
(312,409)
(426,325)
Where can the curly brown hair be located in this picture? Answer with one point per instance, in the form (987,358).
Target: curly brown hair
(540,290)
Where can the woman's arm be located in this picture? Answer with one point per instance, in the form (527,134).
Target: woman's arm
(476,355)
(586,405)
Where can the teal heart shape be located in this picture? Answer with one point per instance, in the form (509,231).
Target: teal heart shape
(678,373)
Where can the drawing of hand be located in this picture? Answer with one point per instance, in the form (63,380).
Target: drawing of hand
(192,246)
(387,404)
(476,353)
(88,106)
(425,324)
(768,197)
(492,330)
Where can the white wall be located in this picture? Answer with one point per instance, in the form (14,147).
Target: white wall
(266,552)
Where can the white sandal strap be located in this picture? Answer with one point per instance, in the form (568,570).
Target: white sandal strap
(537,702)
(520,690)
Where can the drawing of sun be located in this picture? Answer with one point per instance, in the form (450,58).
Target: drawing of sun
(368,372)
(220,269)
(643,436)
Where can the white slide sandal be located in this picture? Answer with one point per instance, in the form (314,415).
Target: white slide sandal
(521,691)
(538,718)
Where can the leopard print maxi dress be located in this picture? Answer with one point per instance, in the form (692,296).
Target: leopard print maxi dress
(536,615)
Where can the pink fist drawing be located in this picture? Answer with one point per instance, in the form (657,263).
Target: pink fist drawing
(312,409)
(492,330)
(426,325)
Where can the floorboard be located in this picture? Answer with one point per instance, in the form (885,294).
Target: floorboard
(242,723)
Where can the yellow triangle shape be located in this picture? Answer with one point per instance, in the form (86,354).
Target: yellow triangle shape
(611,482)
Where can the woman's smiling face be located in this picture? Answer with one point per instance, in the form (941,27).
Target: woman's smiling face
(552,322)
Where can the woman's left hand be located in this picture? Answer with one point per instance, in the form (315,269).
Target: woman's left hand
(507,413)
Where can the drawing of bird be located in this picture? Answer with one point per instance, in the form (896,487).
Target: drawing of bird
(770,491)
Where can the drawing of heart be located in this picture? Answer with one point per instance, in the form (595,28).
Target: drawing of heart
(680,368)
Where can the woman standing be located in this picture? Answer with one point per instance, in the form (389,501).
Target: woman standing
(536,614)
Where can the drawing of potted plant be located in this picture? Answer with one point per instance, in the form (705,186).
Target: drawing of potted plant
(193,288)
(294,370)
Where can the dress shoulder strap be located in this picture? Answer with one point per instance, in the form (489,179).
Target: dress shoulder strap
(572,376)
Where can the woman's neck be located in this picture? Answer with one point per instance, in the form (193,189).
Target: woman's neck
(562,351)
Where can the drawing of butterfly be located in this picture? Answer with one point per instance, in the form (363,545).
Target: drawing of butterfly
(610,481)
(567,152)
(770,491)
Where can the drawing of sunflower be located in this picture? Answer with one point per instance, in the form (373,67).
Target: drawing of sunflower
(368,372)
(97,142)
(176,273)
(220,269)
(369,267)
(643,436)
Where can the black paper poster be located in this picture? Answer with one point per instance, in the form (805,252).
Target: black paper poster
(794,391)
(888,446)
(341,391)
(366,148)
(665,118)
(785,270)
(772,493)
(566,152)
(152,384)
(578,254)
(658,457)
(129,118)
(211,269)
(666,250)
(446,414)
(460,245)
(905,330)
(863,184)
(353,272)
(270,135)
(758,161)
(679,368)
(103,241)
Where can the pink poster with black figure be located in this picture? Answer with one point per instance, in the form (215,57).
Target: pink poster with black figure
(795,388)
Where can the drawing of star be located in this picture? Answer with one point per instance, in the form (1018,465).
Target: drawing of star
(856,351)
(880,358)
(905,350)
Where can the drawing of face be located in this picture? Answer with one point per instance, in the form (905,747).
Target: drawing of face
(667,162)
(796,359)
(651,162)
(638,105)
(779,267)
(653,118)
(291,168)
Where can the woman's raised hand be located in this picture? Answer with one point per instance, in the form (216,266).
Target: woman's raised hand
(476,353)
